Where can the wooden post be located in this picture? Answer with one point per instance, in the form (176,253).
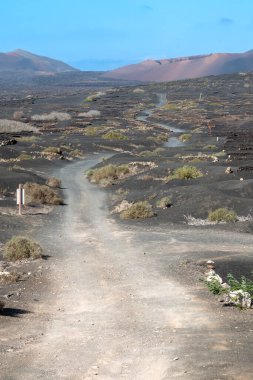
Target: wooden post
(20,200)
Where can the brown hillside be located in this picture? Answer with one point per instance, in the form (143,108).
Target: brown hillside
(185,68)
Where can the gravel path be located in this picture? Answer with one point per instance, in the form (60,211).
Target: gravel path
(118,308)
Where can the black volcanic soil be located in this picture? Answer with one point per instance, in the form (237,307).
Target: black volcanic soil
(215,111)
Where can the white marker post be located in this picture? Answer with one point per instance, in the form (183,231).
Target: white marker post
(20,198)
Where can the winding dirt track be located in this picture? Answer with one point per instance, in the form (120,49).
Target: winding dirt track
(117,310)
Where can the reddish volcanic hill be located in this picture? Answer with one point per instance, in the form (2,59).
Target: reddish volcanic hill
(21,60)
(185,68)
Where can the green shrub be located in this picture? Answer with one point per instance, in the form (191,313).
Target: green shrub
(108,172)
(185,137)
(139,210)
(222,215)
(215,286)
(42,194)
(164,202)
(244,284)
(19,247)
(114,135)
(187,172)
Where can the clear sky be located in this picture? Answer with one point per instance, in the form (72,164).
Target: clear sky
(104,34)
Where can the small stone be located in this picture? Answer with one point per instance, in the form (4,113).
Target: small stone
(228,170)
(176,358)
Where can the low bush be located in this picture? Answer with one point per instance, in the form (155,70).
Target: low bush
(210,147)
(114,135)
(91,113)
(19,247)
(222,215)
(139,210)
(185,137)
(24,156)
(18,115)
(108,172)
(52,149)
(41,194)
(187,172)
(13,126)
(164,202)
(8,277)
(52,116)
(28,139)
(151,153)
(54,182)
(93,131)
(161,137)
(243,284)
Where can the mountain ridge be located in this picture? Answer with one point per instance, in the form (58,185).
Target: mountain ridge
(170,69)
(22,60)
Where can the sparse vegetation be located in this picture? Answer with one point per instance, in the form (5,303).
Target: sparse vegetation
(150,153)
(222,215)
(108,173)
(13,126)
(91,113)
(186,172)
(54,182)
(7,277)
(18,115)
(214,286)
(185,137)
(114,135)
(243,284)
(93,131)
(42,194)
(161,137)
(20,247)
(52,149)
(24,156)
(52,116)
(28,139)
(139,210)
(164,202)
(209,147)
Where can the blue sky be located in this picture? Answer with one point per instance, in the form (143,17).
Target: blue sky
(104,34)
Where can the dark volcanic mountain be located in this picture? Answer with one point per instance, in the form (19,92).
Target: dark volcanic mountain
(185,68)
(23,61)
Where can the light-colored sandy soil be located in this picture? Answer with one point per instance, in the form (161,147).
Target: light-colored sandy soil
(118,309)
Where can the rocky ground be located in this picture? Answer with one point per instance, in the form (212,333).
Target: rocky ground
(152,130)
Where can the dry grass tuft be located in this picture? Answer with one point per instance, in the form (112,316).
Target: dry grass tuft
(109,173)
(186,172)
(42,194)
(13,126)
(20,247)
(139,210)
(222,215)
(54,182)
(114,135)
(52,116)
(91,113)
(8,277)
(164,202)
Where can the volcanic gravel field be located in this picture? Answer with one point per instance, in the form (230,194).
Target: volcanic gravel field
(116,298)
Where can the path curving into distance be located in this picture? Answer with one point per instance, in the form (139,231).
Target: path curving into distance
(118,307)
